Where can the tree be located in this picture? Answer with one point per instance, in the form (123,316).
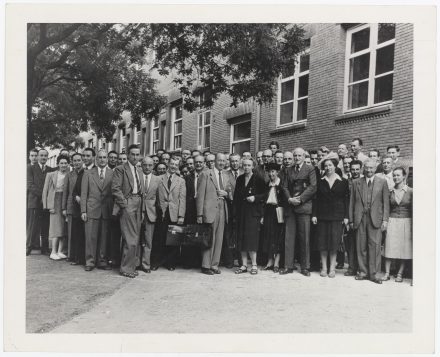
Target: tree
(242,60)
(83,76)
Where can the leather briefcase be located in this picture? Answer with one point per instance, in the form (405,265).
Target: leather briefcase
(190,234)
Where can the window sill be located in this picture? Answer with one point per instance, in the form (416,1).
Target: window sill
(298,125)
(364,113)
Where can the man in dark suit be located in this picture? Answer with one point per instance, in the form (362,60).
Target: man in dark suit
(72,209)
(299,188)
(229,246)
(213,189)
(191,255)
(96,211)
(260,170)
(127,189)
(368,215)
(149,211)
(38,219)
(172,197)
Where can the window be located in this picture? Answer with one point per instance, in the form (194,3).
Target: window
(90,144)
(293,92)
(138,134)
(241,137)
(176,120)
(369,66)
(123,140)
(154,146)
(204,130)
(144,140)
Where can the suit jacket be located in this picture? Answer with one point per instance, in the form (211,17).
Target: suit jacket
(232,181)
(35,184)
(331,203)
(260,170)
(96,196)
(174,199)
(69,203)
(48,195)
(300,184)
(150,198)
(190,212)
(207,198)
(380,202)
(123,183)
(256,187)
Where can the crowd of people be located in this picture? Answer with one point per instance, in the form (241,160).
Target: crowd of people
(305,210)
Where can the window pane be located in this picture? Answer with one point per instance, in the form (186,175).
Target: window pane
(385,59)
(358,95)
(359,67)
(200,120)
(240,148)
(383,89)
(286,113)
(155,146)
(242,131)
(207,118)
(178,127)
(177,142)
(200,137)
(178,112)
(304,63)
(302,109)
(386,32)
(156,134)
(303,89)
(360,40)
(207,137)
(156,122)
(287,89)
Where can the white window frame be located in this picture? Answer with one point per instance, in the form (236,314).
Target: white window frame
(372,49)
(296,75)
(231,139)
(137,134)
(203,127)
(175,120)
(152,141)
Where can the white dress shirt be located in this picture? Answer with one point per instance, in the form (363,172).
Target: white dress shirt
(132,169)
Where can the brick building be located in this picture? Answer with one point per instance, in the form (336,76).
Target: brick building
(353,80)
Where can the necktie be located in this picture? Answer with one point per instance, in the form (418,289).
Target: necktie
(137,181)
(235,175)
(220,181)
(101,174)
(147,182)
(369,183)
(169,182)
(297,168)
(43,168)
(196,177)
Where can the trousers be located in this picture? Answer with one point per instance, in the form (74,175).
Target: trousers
(297,227)
(37,227)
(368,242)
(211,256)
(96,242)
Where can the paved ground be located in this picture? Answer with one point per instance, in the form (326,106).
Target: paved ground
(65,299)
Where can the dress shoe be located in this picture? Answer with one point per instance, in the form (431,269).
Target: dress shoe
(154,268)
(216,271)
(105,267)
(349,273)
(61,255)
(171,268)
(54,256)
(305,272)
(286,271)
(376,281)
(361,277)
(146,270)
(88,268)
(340,266)
(207,271)
(74,263)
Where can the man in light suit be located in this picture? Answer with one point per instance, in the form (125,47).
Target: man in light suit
(299,187)
(213,189)
(229,246)
(72,210)
(127,190)
(38,219)
(368,216)
(96,211)
(149,212)
(172,202)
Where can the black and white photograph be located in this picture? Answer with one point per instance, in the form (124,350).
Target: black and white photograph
(220,177)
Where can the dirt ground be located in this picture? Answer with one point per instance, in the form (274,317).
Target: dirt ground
(75,301)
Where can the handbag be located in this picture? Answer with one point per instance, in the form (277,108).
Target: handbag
(190,234)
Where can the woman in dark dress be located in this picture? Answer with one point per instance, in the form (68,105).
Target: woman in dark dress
(248,195)
(273,229)
(330,213)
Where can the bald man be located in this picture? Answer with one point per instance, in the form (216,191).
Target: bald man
(299,187)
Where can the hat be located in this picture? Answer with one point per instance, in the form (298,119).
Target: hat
(273,166)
